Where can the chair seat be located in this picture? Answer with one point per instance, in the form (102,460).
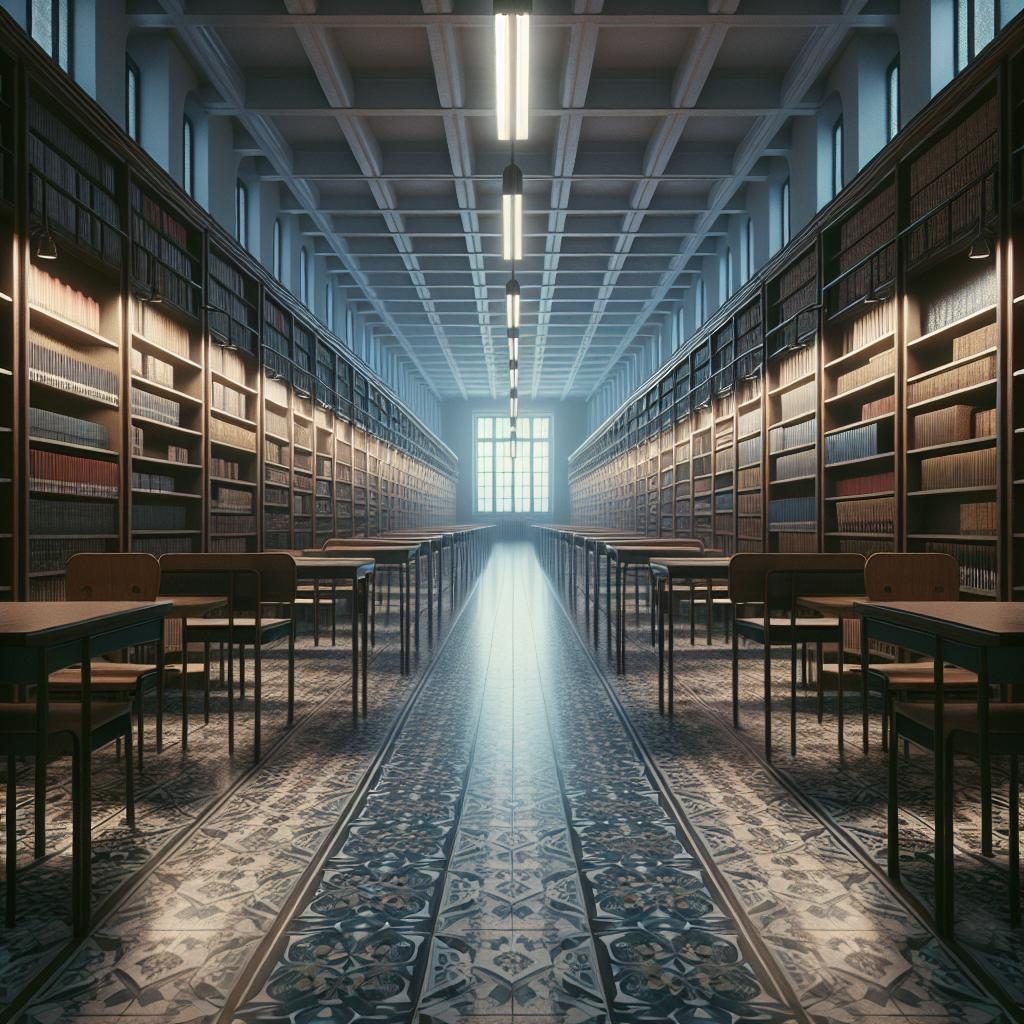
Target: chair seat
(20,719)
(242,631)
(1005,722)
(905,675)
(785,630)
(106,675)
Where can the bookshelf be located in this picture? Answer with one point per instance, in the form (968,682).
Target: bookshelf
(749,454)
(9,517)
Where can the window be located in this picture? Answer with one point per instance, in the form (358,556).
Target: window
(277,249)
(974,28)
(892,100)
(784,213)
(242,213)
(50,24)
(729,283)
(749,269)
(329,306)
(188,157)
(837,156)
(700,304)
(131,99)
(304,275)
(504,484)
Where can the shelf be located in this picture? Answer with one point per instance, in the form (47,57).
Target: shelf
(853,356)
(70,446)
(275,437)
(792,450)
(165,390)
(222,378)
(165,533)
(970,442)
(859,462)
(790,385)
(858,497)
(950,397)
(68,328)
(74,536)
(230,417)
(143,492)
(73,396)
(977,538)
(862,389)
(952,490)
(805,527)
(241,449)
(228,480)
(860,423)
(793,480)
(167,463)
(163,353)
(925,374)
(962,326)
(170,427)
(798,418)
(863,536)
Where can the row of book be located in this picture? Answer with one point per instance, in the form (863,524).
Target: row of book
(871,515)
(800,363)
(54,364)
(801,399)
(878,366)
(792,511)
(70,143)
(227,469)
(51,554)
(796,278)
(171,453)
(303,461)
(305,483)
(278,475)
(232,524)
(227,399)
(51,293)
(159,517)
(794,435)
(158,546)
(749,504)
(275,423)
(749,423)
(273,495)
(749,479)
(229,545)
(959,469)
(979,518)
(160,330)
(725,460)
(796,542)
(303,435)
(870,483)
(277,521)
(155,407)
(154,215)
(749,451)
(277,329)
(975,342)
(302,505)
(233,434)
(860,442)
(799,464)
(276,391)
(157,483)
(275,452)
(44,424)
(232,499)
(58,473)
(877,322)
(950,424)
(82,216)
(64,517)
(164,268)
(973,290)
(977,563)
(229,363)
(155,370)
(966,375)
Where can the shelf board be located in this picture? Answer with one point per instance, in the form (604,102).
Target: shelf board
(950,397)
(970,442)
(234,447)
(232,511)
(74,396)
(35,489)
(792,450)
(69,329)
(861,461)
(863,536)
(805,527)
(165,390)
(963,361)
(164,353)
(147,422)
(975,537)
(748,490)
(793,480)
(214,536)
(143,492)
(978,591)
(83,449)
(74,536)
(853,356)
(798,418)
(964,325)
(5,298)
(223,378)
(228,480)
(952,490)
(275,437)
(861,423)
(165,533)
(790,385)
(167,463)
(230,417)
(857,497)
(862,389)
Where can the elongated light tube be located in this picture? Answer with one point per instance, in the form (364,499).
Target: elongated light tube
(512,303)
(513,347)
(512,213)
(522,59)
(512,72)
(513,404)
(513,376)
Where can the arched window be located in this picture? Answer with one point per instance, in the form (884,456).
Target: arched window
(188,156)
(242,213)
(700,303)
(892,99)
(729,284)
(304,275)
(837,156)
(51,25)
(277,254)
(131,99)
(329,305)
(784,232)
(748,272)
(973,29)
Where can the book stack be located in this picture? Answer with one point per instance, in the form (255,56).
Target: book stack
(868,229)
(792,512)
(233,317)
(860,442)
(177,453)
(227,399)
(54,426)
(750,451)
(52,294)
(979,518)
(977,563)
(749,343)
(232,524)
(871,515)
(61,517)
(877,322)
(881,365)
(873,483)
(798,285)
(301,482)
(323,488)
(277,329)
(303,461)
(958,470)
(274,452)
(275,495)
(725,460)
(798,401)
(795,466)
(233,434)
(232,499)
(303,435)
(57,473)
(302,504)
(974,290)
(801,363)
(276,424)
(878,407)
(159,517)
(795,435)
(228,363)
(966,375)
(158,329)
(157,483)
(160,257)
(51,554)
(975,342)
(749,423)
(50,588)
(155,370)
(138,436)
(278,475)
(156,407)
(54,364)
(985,422)
(226,469)
(943,426)
(749,505)
(797,542)
(228,545)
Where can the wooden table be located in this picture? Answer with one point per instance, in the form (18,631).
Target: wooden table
(842,607)
(984,637)
(38,638)
(357,572)
(665,571)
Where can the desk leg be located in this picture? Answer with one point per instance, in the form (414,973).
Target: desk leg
(1014,838)
(609,605)
(355,648)
(430,595)
(42,710)
(373,610)
(984,757)
(940,794)
(661,647)
(365,647)
(11,848)
(709,614)
(840,694)
(417,627)
(85,796)
(671,649)
(407,573)
(586,586)
(618,617)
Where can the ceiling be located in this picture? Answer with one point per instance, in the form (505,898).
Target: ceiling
(648,118)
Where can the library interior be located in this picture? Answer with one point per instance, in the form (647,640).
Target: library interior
(508,511)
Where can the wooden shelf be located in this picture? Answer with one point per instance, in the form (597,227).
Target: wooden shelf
(166,391)
(951,397)
(862,389)
(68,329)
(856,355)
(952,446)
(962,326)
(164,353)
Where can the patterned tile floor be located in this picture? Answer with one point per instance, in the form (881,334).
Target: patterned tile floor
(509,835)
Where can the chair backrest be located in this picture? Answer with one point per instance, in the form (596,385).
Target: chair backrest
(236,576)
(912,576)
(776,578)
(114,576)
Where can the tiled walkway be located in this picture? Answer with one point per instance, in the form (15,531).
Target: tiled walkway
(531,841)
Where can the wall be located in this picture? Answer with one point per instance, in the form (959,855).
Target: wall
(568,425)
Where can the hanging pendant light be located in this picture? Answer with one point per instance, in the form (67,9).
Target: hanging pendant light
(513,404)
(513,346)
(512,213)
(512,68)
(513,376)
(512,304)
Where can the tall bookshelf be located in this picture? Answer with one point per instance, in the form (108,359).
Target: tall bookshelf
(9,311)
(1012,422)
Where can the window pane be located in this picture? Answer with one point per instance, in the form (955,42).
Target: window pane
(837,157)
(188,157)
(984,23)
(42,24)
(485,427)
(502,426)
(962,53)
(541,426)
(63,54)
(892,94)
(131,101)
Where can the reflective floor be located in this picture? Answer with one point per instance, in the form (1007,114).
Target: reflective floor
(514,833)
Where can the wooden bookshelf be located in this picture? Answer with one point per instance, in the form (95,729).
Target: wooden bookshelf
(9,313)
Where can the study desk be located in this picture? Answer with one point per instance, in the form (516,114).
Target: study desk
(38,638)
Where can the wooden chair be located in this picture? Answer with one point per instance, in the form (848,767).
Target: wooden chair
(776,582)
(250,582)
(110,722)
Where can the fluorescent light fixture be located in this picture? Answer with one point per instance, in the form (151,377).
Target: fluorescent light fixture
(513,376)
(513,347)
(512,68)
(512,213)
(512,303)
(513,405)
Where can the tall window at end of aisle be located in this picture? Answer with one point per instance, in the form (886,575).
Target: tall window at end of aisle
(892,100)
(837,156)
(188,156)
(304,275)
(329,306)
(51,25)
(505,484)
(975,25)
(729,281)
(131,99)
(784,201)
(749,268)
(242,214)
(277,249)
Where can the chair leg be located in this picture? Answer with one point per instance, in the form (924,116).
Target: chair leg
(1014,836)
(735,680)
(893,816)
(768,701)
(129,779)
(184,697)
(291,672)
(257,693)
(206,683)
(792,699)
(11,845)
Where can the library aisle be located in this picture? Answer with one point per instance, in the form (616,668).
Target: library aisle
(519,838)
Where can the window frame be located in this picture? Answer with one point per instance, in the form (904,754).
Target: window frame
(892,99)
(304,275)
(785,205)
(527,450)
(837,156)
(132,99)
(329,305)
(188,156)
(750,249)
(242,213)
(58,8)
(277,254)
(965,23)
